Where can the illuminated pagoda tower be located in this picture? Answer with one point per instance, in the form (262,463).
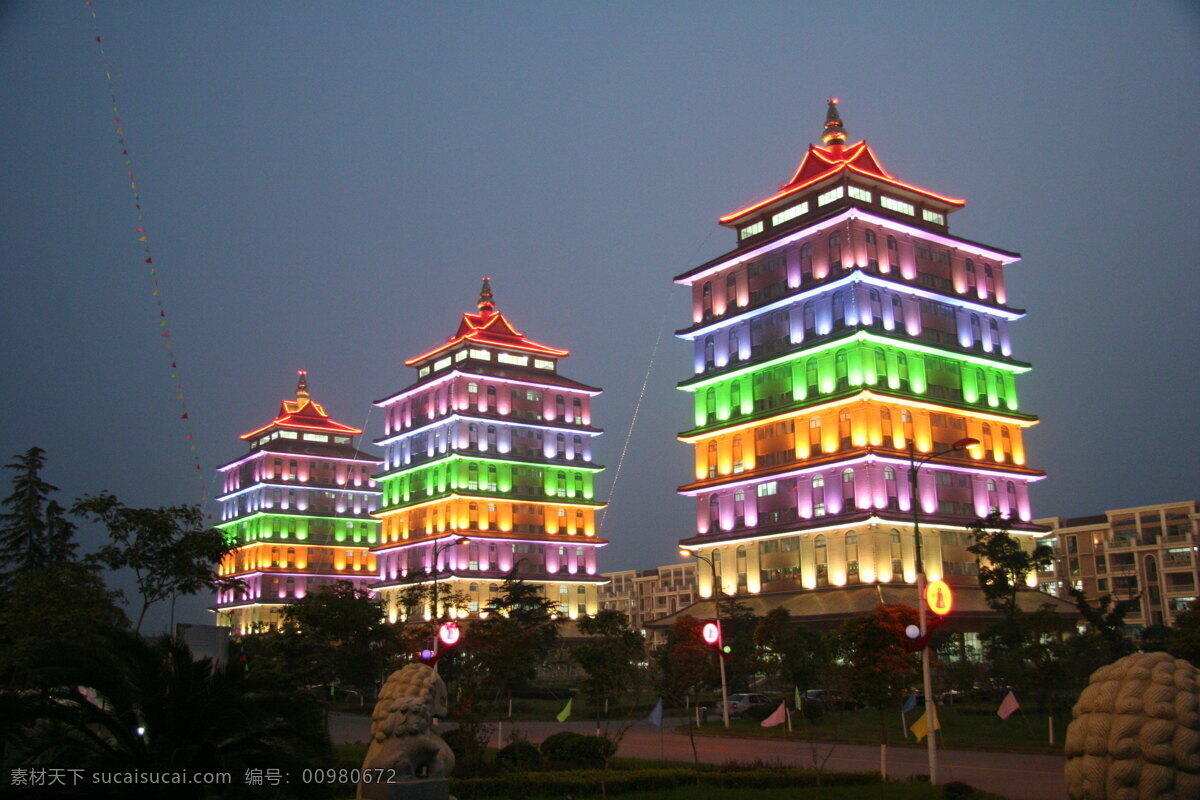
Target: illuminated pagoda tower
(493,445)
(299,505)
(846,325)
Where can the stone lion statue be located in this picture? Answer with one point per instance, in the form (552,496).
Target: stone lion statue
(1135,732)
(402,729)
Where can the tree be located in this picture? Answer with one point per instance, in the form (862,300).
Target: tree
(610,657)
(34,531)
(1004,564)
(1185,641)
(738,624)
(149,706)
(169,550)
(684,665)
(877,666)
(1107,619)
(344,626)
(517,634)
(31,627)
(793,651)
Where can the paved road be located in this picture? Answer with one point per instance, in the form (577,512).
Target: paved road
(1020,776)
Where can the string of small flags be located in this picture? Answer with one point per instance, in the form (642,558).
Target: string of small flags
(143,239)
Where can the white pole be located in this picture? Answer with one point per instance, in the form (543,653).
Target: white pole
(883,761)
(788,713)
(724,694)
(1052,730)
(500,734)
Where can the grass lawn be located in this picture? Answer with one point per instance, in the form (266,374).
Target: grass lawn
(965,726)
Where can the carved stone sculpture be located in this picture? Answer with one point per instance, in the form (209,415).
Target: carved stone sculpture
(1135,732)
(403,738)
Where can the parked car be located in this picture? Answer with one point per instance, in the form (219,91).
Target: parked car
(740,703)
(832,699)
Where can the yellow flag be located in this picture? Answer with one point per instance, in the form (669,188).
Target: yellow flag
(920,729)
(566,712)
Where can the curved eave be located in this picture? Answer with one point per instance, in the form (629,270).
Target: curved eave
(586,430)
(867,455)
(857,334)
(448,458)
(556,382)
(840,522)
(855,395)
(835,216)
(788,191)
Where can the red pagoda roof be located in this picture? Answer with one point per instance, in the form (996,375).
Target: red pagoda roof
(821,163)
(303,413)
(489,327)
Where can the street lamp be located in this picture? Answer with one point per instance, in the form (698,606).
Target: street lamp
(436,571)
(914,466)
(687,552)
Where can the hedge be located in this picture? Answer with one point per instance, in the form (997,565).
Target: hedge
(557,784)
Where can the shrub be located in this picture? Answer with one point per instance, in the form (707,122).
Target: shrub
(519,755)
(957,790)
(467,744)
(578,750)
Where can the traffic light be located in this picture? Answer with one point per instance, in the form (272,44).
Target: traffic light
(711,633)
(449,636)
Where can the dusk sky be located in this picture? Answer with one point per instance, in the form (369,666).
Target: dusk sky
(324,185)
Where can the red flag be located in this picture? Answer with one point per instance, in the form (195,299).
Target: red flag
(149,261)
(1008,706)
(777,718)
(185,416)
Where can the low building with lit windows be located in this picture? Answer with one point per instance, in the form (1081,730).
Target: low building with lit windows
(1149,552)
(846,332)
(298,505)
(645,595)
(494,444)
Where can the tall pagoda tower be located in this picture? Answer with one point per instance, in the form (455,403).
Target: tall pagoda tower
(492,445)
(299,506)
(847,326)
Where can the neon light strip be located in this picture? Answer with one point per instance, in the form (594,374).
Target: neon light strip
(838,167)
(699,543)
(856,276)
(455,495)
(459,456)
(510,423)
(751,479)
(1016,421)
(366,462)
(267,542)
(312,487)
(283,423)
(859,336)
(481,338)
(458,372)
(288,514)
(362,575)
(385,584)
(481,537)
(972,248)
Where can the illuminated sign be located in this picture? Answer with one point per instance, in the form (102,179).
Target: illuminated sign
(937,595)
(449,633)
(711,632)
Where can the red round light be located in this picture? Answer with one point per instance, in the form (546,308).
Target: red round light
(711,632)
(449,633)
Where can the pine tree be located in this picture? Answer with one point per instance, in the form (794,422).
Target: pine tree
(34,532)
